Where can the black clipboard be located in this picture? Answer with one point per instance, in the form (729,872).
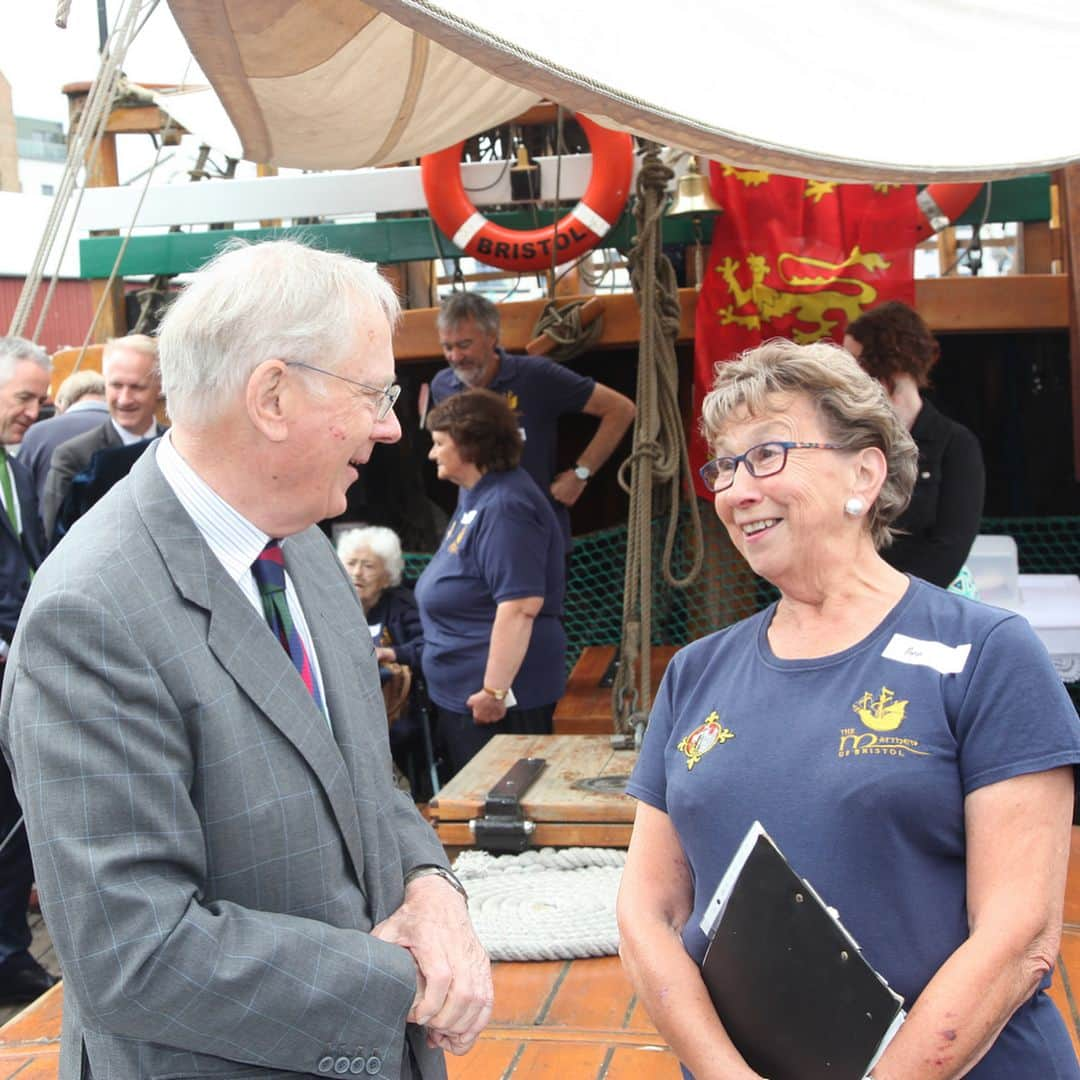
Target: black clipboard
(789,983)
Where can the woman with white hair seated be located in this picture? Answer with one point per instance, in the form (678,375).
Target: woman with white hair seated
(372,556)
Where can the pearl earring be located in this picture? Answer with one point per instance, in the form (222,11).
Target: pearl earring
(854,506)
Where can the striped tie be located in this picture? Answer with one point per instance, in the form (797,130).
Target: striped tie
(269,571)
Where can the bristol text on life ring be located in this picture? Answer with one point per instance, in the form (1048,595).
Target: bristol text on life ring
(530,249)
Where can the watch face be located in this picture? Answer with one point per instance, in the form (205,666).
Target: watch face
(582,473)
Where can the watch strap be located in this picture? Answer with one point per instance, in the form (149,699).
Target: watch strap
(439,871)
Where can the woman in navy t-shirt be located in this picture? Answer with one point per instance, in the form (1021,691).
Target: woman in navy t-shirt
(491,598)
(909,750)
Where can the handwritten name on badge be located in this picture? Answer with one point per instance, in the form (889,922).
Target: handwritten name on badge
(948,659)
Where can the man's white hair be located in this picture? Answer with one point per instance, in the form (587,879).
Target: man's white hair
(251,303)
(14,350)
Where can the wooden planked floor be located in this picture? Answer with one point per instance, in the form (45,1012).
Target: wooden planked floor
(575,1020)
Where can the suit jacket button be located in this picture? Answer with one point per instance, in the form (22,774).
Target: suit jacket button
(374,1064)
(326,1064)
(357,1065)
(341,1066)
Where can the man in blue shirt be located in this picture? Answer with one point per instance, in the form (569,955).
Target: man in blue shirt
(539,391)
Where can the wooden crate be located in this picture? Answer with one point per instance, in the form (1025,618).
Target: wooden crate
(564,815)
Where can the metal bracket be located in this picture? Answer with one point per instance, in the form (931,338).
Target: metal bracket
(504,827)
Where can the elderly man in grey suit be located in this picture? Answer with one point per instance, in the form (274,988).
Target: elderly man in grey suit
(234,886)
(132,391)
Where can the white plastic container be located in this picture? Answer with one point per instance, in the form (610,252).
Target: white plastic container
(995,566)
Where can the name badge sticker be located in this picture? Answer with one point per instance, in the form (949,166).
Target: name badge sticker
(947,659)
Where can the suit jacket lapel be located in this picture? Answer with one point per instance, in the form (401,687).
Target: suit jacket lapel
(243,643)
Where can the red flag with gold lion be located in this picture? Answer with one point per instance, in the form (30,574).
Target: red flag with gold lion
(798,259)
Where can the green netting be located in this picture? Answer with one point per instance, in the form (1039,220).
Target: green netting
(726,590)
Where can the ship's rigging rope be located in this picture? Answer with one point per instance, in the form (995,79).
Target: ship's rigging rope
(83,146)
(659,458)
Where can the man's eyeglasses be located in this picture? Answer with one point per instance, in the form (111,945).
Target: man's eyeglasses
(388,394)
(765,459)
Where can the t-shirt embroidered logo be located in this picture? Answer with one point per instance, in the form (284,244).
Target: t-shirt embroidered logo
(884,714)
(703,738)
(881,714)
(466,520)
(512,400)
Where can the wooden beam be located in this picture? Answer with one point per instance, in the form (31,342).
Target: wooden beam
(949,305)
(143,120)
(1070,213)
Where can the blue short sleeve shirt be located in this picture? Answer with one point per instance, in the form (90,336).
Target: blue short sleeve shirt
(858,765)
(502,544)
(539,391)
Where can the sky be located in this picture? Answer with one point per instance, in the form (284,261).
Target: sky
(38,58)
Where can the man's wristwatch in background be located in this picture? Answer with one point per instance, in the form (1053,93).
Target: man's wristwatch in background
(498,695)
(439,871)
(582,472)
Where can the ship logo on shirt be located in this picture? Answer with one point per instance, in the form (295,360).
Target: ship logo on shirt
(512,400)
(703,738)
(884,713)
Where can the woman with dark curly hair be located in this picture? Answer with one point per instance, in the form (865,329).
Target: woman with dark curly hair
(935,533)
(491,598)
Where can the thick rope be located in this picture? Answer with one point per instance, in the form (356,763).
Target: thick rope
(659,464)
(563,326)
(544,905)
(62,9)
(83,146)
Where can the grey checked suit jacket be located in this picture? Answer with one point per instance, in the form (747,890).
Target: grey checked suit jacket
(209,856)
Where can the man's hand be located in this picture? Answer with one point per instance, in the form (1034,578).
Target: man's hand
(385,655)
(485,709)
(567,487)
(454,992)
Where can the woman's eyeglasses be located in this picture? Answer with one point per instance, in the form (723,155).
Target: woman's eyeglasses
(765,459)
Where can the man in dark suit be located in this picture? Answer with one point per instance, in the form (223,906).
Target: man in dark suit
(231,880)
(80,406)
(24,385)
(132,392)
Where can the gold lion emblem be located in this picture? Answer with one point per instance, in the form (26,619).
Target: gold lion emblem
(827,290)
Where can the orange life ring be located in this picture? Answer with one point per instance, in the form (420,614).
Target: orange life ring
(942,204)
(530,249)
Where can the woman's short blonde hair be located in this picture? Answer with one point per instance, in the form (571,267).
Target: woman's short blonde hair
(853,407)
(382,542)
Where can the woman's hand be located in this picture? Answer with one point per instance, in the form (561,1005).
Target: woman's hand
(485,708)
(385,655)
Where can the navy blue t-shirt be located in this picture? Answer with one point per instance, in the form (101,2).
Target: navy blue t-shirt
(503,544)
(858,764)
(539,391)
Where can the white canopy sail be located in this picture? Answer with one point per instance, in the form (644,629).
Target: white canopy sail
(838,89)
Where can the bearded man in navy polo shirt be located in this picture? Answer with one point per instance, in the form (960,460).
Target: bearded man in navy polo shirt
(539,391)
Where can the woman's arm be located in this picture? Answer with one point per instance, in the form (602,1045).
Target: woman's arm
(406,630)
(510,636)
(655,900)
(1017,859)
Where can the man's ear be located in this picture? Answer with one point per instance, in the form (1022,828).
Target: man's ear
(267,398)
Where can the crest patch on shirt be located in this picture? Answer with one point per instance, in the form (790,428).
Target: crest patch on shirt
(703,738)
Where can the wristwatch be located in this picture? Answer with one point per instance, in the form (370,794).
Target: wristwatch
(582,472)
(498,695)
(440,871)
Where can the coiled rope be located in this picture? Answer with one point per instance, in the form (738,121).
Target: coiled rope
(550,904)
(658,468)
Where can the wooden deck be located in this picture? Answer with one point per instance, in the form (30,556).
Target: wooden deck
(577,1020)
